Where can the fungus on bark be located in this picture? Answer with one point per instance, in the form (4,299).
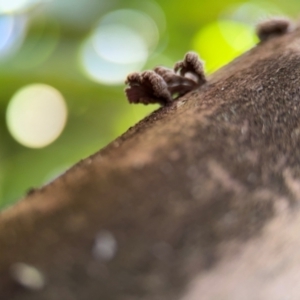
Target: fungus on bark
(162,85)
(273,27)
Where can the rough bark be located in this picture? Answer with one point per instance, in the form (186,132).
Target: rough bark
(201,198)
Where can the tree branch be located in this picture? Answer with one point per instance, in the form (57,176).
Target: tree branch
(197,201)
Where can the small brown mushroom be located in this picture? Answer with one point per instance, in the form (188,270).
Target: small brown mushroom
(191,67)
(273,27)
(147,87)
(162,84)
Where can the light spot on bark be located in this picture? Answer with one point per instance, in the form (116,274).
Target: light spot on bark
(292,183)
(265,267)
(105,247)
(27,276)
(224,178)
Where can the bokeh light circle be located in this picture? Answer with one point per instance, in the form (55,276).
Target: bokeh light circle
(138,21)
(38,47)
(36,115)
(12,33)
(250,12)
(120,44)
(104,71)
(11,6)
(220,42)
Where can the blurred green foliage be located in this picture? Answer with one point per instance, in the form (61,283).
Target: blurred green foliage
(49,50)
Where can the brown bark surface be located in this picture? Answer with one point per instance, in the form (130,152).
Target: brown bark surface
(201,199)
